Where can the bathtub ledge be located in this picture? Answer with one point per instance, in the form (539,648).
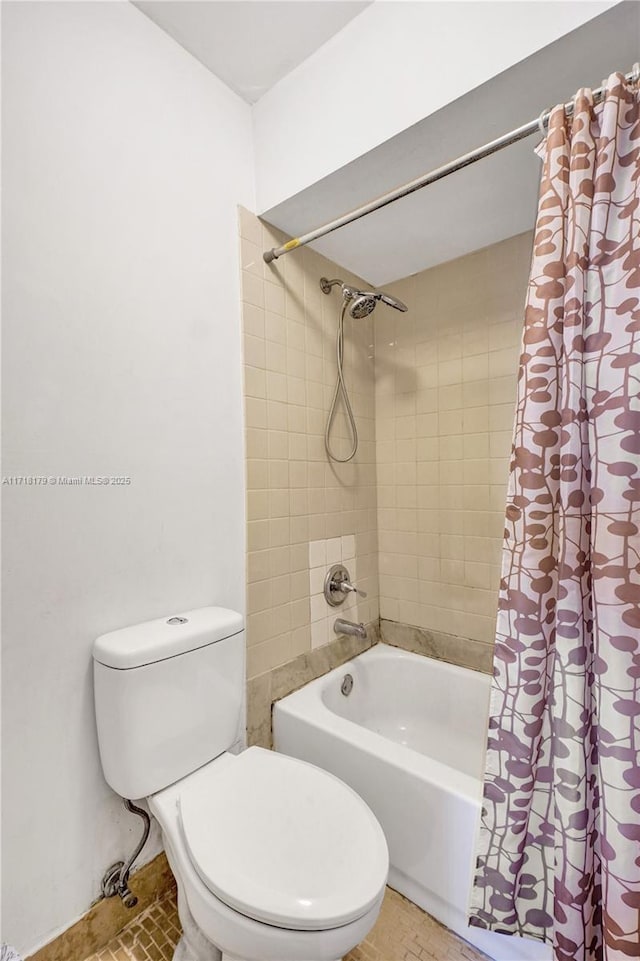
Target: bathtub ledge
(463,651)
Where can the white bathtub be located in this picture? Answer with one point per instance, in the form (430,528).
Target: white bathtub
(410,739)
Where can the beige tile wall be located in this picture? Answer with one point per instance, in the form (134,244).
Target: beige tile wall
(294,495)
(445,395)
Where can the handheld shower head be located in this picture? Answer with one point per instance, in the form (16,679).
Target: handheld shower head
(359,303)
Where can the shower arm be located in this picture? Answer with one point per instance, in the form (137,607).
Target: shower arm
(350,292)
(326,285)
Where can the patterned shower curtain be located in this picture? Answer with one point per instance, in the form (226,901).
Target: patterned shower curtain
(559,843)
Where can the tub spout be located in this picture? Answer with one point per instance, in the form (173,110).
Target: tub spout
(348,627)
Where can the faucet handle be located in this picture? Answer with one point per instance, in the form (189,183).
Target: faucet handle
(347,586)
(337,584)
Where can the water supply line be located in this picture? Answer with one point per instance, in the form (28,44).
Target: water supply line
(116,878)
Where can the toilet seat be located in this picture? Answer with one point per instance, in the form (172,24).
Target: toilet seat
(282,842)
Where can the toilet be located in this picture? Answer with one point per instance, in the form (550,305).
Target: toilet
(275,859)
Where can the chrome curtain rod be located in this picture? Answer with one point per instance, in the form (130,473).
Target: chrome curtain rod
(438,174)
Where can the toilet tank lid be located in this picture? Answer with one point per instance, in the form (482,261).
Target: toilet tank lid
(166,637)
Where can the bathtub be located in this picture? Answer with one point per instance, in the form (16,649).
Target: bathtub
(410,739)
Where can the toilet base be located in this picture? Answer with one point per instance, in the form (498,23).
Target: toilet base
(228,957)
(206,952)
(192,946)
(184,953)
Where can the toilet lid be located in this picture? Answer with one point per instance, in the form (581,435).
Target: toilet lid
(284,842)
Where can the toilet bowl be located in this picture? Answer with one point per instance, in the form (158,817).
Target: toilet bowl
(275,859)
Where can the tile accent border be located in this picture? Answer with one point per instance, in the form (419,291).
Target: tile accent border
(266,688)
(108,916)
(463,651)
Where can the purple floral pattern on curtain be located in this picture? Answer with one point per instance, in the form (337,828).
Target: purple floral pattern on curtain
(559,844)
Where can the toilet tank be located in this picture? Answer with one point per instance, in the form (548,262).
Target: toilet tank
(168,697)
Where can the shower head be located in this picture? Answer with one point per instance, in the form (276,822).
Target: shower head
(361,302)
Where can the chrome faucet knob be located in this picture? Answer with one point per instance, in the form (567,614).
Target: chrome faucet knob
(337,584)
(346,587)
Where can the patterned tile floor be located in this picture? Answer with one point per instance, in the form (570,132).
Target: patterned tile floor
(403,933)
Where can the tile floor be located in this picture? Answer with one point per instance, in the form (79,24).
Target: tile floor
(403,933)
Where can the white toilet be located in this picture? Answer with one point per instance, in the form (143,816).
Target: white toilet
(275,860)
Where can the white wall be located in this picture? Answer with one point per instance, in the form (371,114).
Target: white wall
(393,65)
(123,163)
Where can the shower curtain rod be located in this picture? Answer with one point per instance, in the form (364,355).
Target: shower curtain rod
(506,140)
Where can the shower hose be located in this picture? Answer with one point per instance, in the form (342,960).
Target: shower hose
(340,389)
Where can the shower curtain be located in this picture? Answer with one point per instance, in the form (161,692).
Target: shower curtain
(559,842)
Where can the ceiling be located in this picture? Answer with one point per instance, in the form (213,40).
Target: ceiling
(480,205)
(251,45)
